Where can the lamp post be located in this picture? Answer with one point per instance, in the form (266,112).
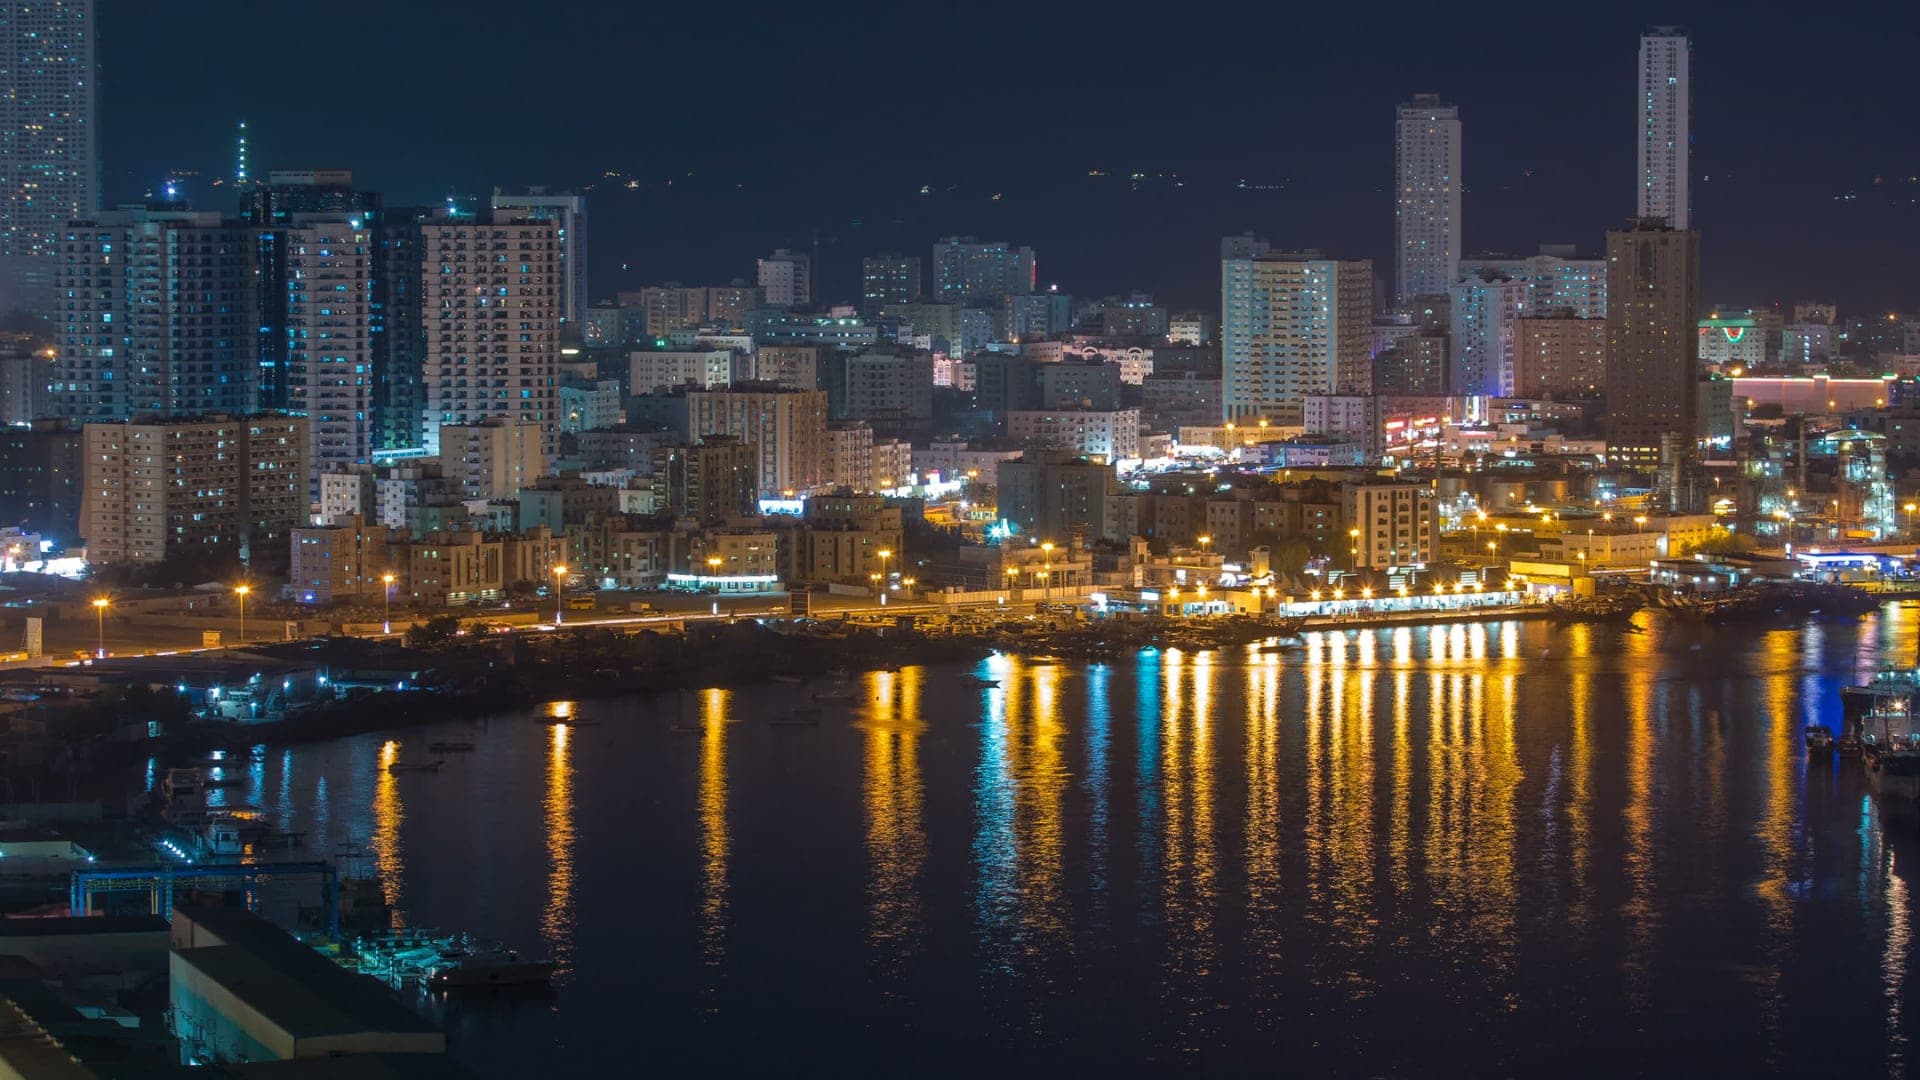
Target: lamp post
(386,604)
(241,591)
(559,591)
(1354,549)
(1012,573)
(100,620)
(1910,508)
(1046,564)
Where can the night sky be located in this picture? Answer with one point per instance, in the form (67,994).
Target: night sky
(749,126)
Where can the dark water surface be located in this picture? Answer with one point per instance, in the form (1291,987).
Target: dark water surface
(1507,849)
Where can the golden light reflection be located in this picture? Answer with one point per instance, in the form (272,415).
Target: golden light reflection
(896,833)
(1263,813)
(715,706)
(559,710)
(1041,782)
(1638,816)
(1893,959)
(1579,800)
(557,922)
(385,841)
(1400,817)
(1783,742)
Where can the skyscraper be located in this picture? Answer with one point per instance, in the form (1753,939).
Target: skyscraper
(160,319)
(330,370)
(568,212)
(1653,299)
(1665,114)
(490,346)
(49,150)
(1485,310)
(1292,325)
(1427,197)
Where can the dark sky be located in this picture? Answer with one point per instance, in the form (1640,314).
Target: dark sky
(752,125)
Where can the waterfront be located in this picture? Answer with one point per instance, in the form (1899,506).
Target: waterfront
(1492,848)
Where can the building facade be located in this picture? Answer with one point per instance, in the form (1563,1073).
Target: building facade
(1560,357)
(568,212)
(786,279)
(493,459)
(967,271)
(1426,197)
(1397,524)
(1665,108)
(49,143)
(1110,435)
(1653,301)
(1292,325)
(888,279)
(789,427)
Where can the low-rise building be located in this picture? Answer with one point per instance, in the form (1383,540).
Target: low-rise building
(343,560)
(1112,435)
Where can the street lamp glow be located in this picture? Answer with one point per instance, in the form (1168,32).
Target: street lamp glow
(100,618)
(559,601)
(241,591)
(386,609)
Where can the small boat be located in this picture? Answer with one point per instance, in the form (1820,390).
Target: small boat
(788,679)
(464,967)
(834,695)
(449,747)
(1280,646)
(1849,743)
(1819,739)
(564,721)
(983,682)
(415,766)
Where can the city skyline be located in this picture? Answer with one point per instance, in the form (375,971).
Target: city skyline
(1542,168)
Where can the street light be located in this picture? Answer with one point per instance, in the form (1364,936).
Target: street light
(1354,550)
(386,611)
(241,591)
(885,554)
(559,590)
(1910,508)
(100,617)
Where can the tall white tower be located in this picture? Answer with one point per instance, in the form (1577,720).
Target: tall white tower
(1426,209)
(49,149)
(1666,107)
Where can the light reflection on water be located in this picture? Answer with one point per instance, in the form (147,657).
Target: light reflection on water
(1506,849)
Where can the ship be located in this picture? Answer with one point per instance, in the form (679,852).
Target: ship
(468,967)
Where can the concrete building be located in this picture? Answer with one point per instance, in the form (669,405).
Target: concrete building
(793,367)
(664,309)
(727,305)
(1190,328)
(1004,382)
(892,464)
(491,460)
(748,556)
(450,568)
(1427,189)
(1031,316)
(1111,435)
(1292,325)
(1733,341)
(347,495)
(159,487)
(491,341)
(650,371)
(888,279)
(160,317)
(41,478)
(1560,357)
(590,405)
(789,427)
(1398,523)
(966,271)
(885,387)
(1420,363)
(1664,99)
(1653,303)
(1080,385)
(850,452)
(1175,399)
(329,269)
(343,560)
(624,447)
(713,480)
(1055,494)
(1485,312)
(568,212)
(1134,361)
(406,486)
(786,279)
(49,143)
(1558,280)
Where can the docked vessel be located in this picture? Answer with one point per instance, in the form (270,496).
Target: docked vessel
(415,766)
(488,966)
(1819,739)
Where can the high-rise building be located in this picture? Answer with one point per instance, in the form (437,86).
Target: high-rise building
(715,479)
(330,268)
(966,271)
(1291,325)
(49,142)
(786,279)
(1558,281)
(1397,523)
(1666,136)
(1560,357)
(888,279)
(1420,363)
(881,387)
(205,484)
(1653,300)
(568,212)
(1427,197)
(24,377)
(1033,316)
(493,459)
(727,305)
(667,308)
(787,427)
(1055,494)
(1484,312)
(40,478)
(160,319)
(490,304)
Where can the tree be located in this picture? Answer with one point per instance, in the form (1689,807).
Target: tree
(523,590)
(1722,542)
(435,631)
(1289,559)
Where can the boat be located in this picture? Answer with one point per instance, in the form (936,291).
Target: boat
(1890,750)
(449,747)
(415,766)
(471,967)
(983,682)
(1819,739)
(1280,646)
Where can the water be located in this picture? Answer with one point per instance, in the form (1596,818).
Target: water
(1501,849)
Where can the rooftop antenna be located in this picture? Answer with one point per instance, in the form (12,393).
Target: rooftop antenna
(240,156)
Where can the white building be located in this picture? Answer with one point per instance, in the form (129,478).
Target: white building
(1557,280)
(330,361)
(1427,197)
(491,460)
(1351,417)
(491,340)
(892,464)
(568,213)
(1110,434)
(1134,361)
(1666,113)
(1291,325)
(786,279)
(344,495)
(1397,523)
(788,427)
(1485,314)
(50,169)
(850,452)
(649,371)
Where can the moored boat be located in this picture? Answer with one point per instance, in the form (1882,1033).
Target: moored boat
(415,766)
(1819,739)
